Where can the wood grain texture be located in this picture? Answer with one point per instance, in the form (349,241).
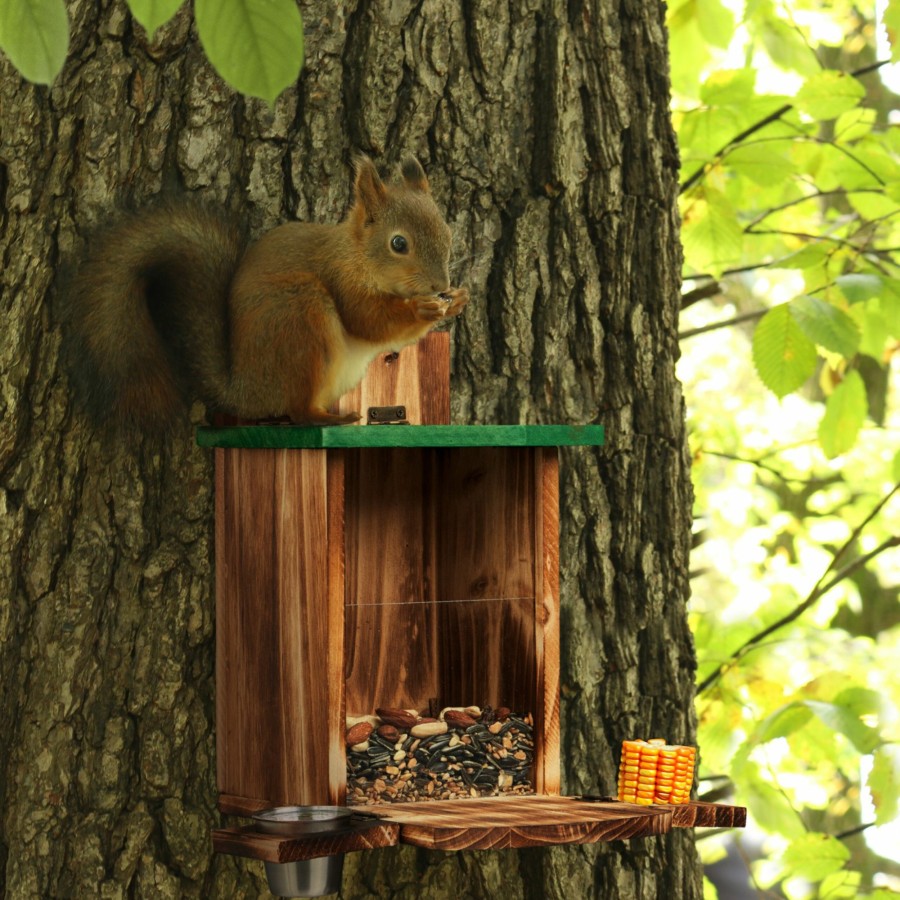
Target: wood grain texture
(390,628)
(503,823)
(336,529)
(246,841)
(235,805)
(417,377)
(441,578)
(272,654)
(484,521)
(495,823)
(709,815)
(547,646)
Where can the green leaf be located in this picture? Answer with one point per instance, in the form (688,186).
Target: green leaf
(716,22)
(808,257)
(34,34)
(702,132)
(690,50)
(891,21)
(761,163)
(826,325)
(783,355)
(845,412)
(728,87)
(829,94)
(841,718)
(857,287)
(814,856)
(710,232)
(255,45)
(860,700)
(771,809)
(153,13)
(841,885)
(854,124)
(873,205)
(784,44)
(782,722)
(884,783)
(873,328)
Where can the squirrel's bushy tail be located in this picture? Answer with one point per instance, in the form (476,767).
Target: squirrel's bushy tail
(146,313)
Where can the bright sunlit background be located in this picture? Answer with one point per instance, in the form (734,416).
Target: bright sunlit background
(799,722)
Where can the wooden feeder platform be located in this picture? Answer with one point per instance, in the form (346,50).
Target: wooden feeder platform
(496,823)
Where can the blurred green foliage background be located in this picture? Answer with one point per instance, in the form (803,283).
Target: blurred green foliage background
(789,130)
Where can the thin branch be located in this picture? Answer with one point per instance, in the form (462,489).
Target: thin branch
(725,323)
(717,156)
(814,196)
(852,831)
(704,292)
(758,126)
(759,463)
(885,253)
(820,588)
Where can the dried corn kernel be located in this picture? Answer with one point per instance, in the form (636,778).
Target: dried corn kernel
(655,772)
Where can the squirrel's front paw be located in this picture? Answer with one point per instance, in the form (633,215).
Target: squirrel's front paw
(456,299)
(429,309)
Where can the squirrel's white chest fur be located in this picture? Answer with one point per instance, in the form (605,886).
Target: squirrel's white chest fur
(348,371)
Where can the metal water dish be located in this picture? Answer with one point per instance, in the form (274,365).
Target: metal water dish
(308,877)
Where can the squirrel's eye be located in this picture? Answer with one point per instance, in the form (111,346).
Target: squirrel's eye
(399,244)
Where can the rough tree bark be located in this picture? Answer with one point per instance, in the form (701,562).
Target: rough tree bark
(544,128)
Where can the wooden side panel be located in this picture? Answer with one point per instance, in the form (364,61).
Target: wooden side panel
(336,524)
(547,763)
(272,626)
(418,377)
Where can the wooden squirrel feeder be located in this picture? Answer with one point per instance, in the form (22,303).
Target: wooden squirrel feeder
(412,567)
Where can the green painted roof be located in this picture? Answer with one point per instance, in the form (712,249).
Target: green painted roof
(297,437)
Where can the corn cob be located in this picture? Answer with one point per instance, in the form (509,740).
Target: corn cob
(655,772)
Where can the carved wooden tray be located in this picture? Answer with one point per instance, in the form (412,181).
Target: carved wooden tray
(495,823)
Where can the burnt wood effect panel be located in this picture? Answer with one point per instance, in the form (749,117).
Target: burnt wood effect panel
(546,631)
(275,848)
(272,626)
(504,823)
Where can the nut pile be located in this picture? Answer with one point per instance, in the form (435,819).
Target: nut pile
(398,755)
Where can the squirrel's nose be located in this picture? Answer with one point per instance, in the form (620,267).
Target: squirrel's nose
(440,284)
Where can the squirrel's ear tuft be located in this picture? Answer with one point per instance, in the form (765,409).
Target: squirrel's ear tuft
(414,175)
(369,191)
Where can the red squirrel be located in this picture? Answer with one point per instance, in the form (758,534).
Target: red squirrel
(172,304)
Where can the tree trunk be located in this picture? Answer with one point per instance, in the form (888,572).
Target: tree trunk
(544,128)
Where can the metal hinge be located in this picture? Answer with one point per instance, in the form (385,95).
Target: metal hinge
(387,415)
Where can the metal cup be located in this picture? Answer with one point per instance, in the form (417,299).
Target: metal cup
(309,877)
